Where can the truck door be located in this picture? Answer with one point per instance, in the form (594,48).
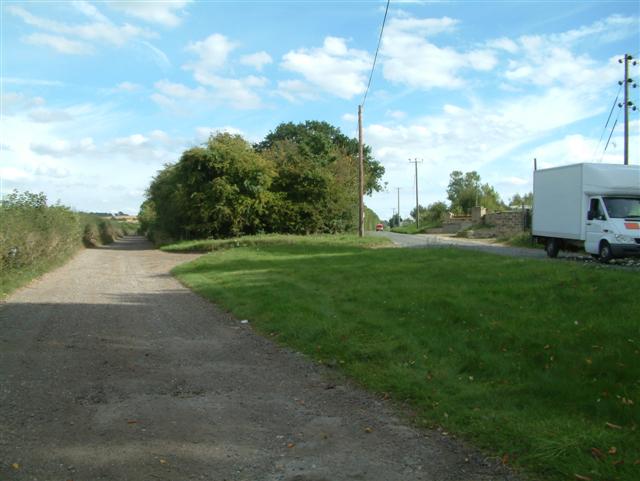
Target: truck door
(596,223)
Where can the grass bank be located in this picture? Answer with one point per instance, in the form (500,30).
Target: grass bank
(535,362)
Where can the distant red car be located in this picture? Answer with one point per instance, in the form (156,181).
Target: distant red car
(379,227)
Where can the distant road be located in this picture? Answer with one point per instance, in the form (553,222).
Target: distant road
(435,240)
(112,370)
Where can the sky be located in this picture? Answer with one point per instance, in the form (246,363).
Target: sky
(96,97)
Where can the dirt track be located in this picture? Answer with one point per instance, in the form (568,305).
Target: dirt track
(111,370)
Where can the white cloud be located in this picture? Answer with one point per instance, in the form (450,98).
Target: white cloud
(296,90)
(256,60)
(99,30)
(332,68)
(127,87)
(135,140)
(59,43)
(49,115)
(29,81)
(349,117)
(13,174)
(157,55)
(213,52)
(396,114)
(63,148)
(167,13)
(410,58)
(503,43)
(612,28)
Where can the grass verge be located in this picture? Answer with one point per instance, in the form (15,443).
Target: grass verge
(270,240)
(412,229)
(535,362)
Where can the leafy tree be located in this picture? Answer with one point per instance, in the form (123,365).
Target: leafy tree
(324,143)
(395,220)
(301,179)
(521,200)
(421,209)
(437,211)
(465,191)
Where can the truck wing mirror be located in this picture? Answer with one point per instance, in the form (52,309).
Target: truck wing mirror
(590,215)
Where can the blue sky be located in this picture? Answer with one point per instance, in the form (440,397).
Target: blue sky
(97,96)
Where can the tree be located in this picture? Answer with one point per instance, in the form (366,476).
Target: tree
(301,179)
(465,191)
(316,177)
(519,201)
(324,143)
(421,209)
(219,190)
(437,211)
(395,220)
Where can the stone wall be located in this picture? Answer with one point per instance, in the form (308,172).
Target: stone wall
(507,223)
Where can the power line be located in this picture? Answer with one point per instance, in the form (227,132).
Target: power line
(604,129)
(609,139)
(375,57)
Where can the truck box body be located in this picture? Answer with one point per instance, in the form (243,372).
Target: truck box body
(561,195)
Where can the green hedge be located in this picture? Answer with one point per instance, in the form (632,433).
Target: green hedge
(35,237)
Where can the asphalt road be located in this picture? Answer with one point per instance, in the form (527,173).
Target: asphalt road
(435,240)
(111,370)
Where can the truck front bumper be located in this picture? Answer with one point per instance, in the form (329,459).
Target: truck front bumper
(625,250)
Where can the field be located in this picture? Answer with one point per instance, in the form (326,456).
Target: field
(535,362)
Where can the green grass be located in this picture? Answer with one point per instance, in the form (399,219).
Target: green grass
(411,228)
(521,357)
(270,240)
(520,240)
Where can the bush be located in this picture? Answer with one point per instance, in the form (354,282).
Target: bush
(33,231)
(36,236)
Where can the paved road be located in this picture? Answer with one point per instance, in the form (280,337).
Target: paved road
(434,240)
(111,370)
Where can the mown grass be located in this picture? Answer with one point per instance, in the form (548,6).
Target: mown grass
(536,362)
(270,240)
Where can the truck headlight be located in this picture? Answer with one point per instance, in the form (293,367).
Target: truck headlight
(624,238)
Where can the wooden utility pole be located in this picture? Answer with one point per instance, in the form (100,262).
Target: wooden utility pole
(398,211)
(627,104)
(360,175)
(415,162)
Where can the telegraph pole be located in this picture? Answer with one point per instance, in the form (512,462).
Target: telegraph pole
(398,211)
(627,104)
(415,163)
(360,175)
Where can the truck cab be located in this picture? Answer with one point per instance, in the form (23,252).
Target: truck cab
(613,227)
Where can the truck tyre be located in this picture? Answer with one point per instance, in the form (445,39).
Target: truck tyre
(604,252)
(552,247)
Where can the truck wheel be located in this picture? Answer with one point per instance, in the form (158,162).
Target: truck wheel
(604,252)
(552,247)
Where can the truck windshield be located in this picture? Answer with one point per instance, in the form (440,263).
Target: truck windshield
(621,207)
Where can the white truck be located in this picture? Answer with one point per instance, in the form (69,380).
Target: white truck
(590,206)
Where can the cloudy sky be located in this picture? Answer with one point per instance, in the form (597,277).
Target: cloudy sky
(96,97)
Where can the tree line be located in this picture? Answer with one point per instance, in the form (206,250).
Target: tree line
(301,179)
(464,191)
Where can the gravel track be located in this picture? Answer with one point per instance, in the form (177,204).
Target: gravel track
(111,370)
